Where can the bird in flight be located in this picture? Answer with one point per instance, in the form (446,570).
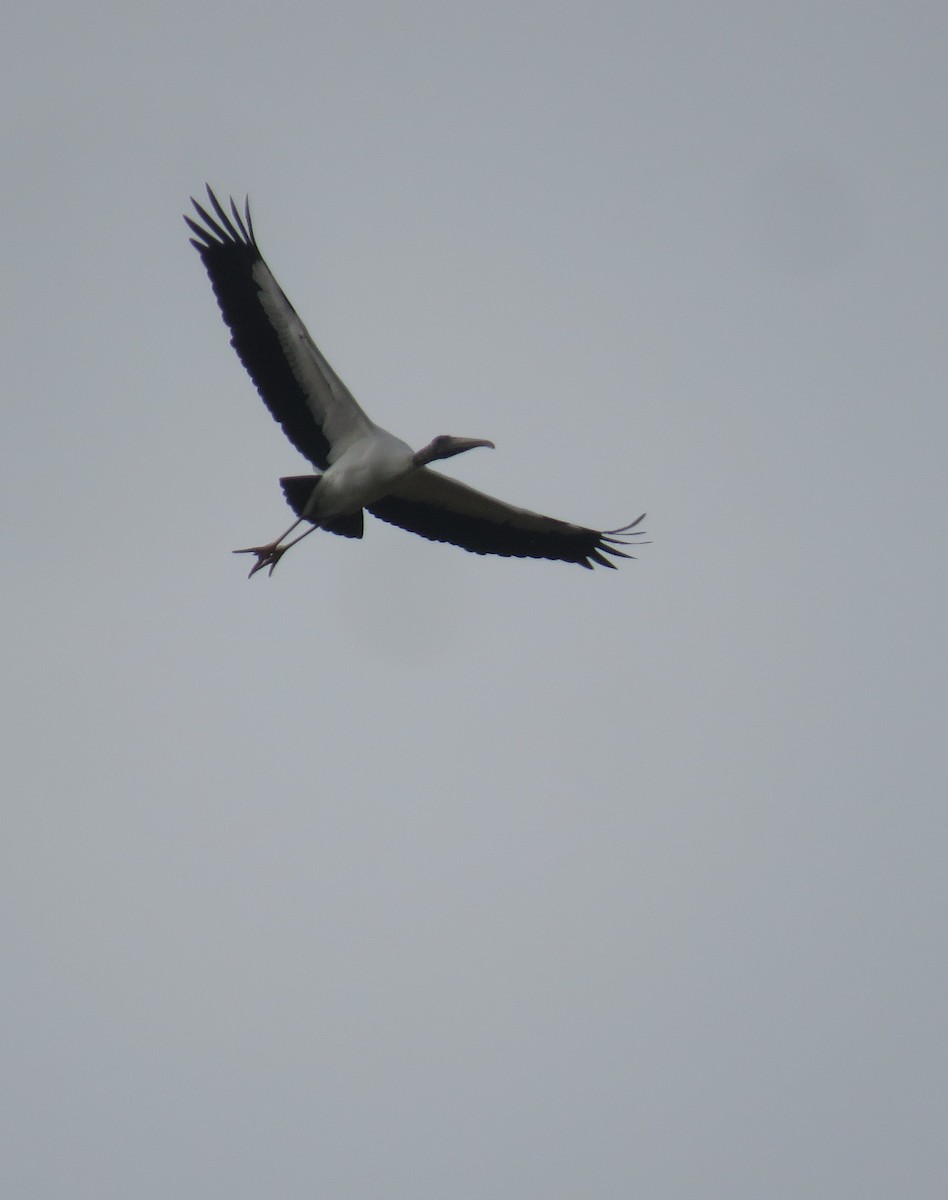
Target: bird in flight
(361,466)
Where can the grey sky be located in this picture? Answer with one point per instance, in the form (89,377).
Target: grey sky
(407,873)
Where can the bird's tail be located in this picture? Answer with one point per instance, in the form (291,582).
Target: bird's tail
(299,489)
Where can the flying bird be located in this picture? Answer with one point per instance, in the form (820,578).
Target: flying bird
(361,466)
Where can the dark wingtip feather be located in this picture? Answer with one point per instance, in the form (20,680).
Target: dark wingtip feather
(243,221)
(610,541)
(206,239)
(219,227)
(214,231)
(625,529)
(224,218)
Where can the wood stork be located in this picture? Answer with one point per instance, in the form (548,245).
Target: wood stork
(361,465)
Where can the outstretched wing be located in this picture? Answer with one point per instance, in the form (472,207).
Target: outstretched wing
(317,411)
(444,510)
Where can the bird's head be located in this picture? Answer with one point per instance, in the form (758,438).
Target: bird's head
(445,446)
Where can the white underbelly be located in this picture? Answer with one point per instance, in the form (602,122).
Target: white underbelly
(363,474)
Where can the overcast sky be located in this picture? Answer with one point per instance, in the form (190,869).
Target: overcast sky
(408,873)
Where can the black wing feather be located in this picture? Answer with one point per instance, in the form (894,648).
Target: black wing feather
(561,541)
(230,253)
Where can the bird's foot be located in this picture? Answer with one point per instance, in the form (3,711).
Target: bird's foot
(267,556)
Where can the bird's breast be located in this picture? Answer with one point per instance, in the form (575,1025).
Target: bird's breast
(362,474)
